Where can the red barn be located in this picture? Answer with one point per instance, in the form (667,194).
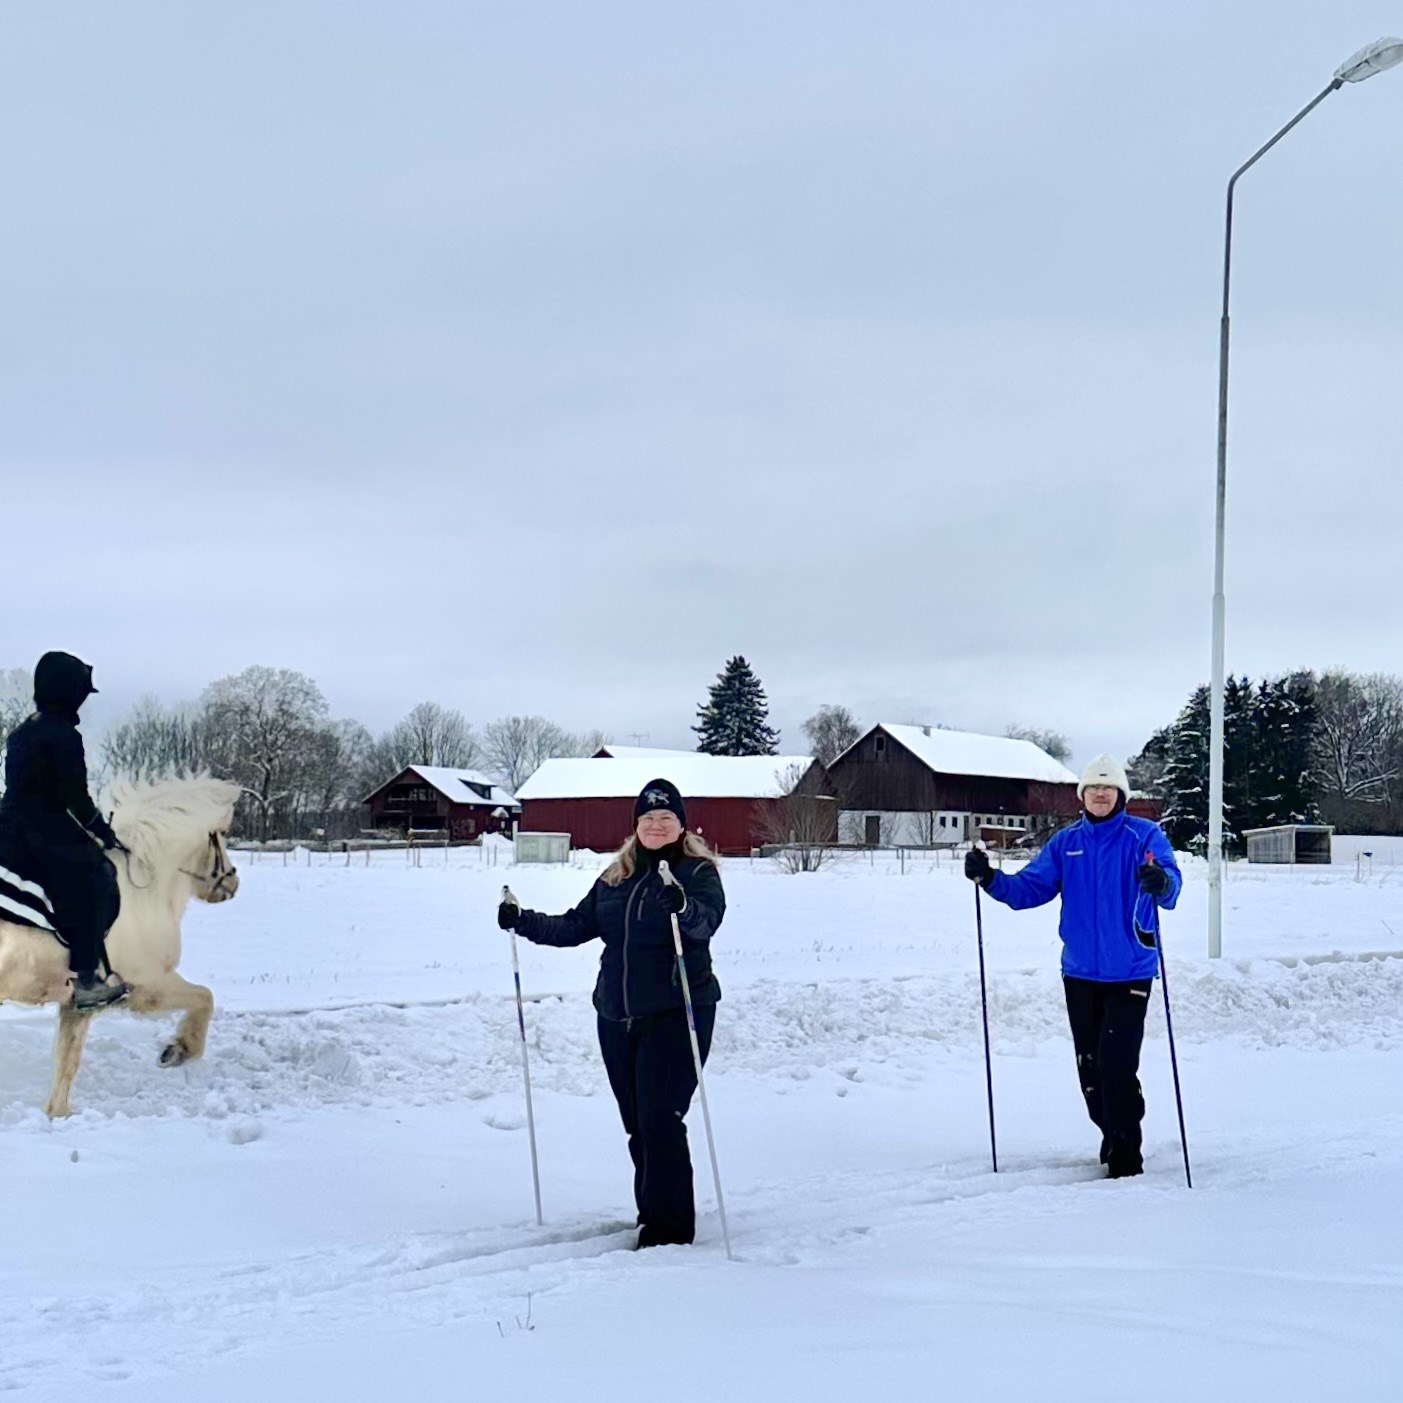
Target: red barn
(729,798)
(461,803)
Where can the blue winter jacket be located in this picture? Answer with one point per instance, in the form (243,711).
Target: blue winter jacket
(1093,866)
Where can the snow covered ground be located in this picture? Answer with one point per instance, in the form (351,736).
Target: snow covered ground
(338,1196)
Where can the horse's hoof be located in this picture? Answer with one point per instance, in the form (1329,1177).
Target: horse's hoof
(173,1054)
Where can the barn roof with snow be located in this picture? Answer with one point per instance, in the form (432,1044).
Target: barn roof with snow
(968,753)
(629,752)
(696,775)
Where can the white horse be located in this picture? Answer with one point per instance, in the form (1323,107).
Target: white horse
(175,830)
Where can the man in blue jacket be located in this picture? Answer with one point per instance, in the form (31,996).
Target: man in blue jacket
(1113,873)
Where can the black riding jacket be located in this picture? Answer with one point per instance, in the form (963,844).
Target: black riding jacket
(46,803)
(638,968)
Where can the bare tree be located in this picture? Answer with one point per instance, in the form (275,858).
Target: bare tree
(1358,740)
(800,821)
(517,746)
(1053,743)
(16,700)
(262,720)
(435,735)
(831,730)
(152,740)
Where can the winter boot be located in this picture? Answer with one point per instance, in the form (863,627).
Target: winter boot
(1124,1160)
(91,993)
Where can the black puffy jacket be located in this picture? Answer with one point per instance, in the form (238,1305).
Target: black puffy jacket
(46,803)
(638,968)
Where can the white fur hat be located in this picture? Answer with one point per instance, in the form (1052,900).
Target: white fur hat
(1104,769)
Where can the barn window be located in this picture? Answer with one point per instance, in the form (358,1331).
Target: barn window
(882,747)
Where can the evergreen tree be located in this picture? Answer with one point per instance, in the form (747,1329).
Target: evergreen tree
(1284,723)
(1269,734)
(1185,775)
(734,720)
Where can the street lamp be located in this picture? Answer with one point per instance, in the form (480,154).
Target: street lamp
(1374,58)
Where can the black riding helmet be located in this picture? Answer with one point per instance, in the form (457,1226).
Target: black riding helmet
(62,682)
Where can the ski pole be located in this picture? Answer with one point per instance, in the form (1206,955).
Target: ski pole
(1173,1058)
(666,873)
(984,1013)
(525,1062)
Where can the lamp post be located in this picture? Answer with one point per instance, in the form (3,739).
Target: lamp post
(1375,58)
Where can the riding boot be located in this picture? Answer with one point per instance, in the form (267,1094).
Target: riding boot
(91,992)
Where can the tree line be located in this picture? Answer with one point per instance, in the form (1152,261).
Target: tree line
(1301,747)
(271,731)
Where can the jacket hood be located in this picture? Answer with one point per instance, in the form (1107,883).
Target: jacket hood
(62,682)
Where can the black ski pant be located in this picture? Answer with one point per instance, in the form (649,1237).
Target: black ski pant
(653,1077)
(81,884)
(1108,1027)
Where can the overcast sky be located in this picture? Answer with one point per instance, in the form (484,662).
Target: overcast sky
(540,357)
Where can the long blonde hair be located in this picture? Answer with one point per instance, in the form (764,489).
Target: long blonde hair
(625,861)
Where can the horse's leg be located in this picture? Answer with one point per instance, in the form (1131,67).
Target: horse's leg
(171,993)
(68,1053)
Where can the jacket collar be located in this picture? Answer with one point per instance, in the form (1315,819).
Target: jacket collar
(1108,827)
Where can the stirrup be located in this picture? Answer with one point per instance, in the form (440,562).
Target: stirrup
(94,993)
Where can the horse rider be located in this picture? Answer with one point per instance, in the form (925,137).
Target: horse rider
(51,832)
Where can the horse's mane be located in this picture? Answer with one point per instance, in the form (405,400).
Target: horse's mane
(169,813)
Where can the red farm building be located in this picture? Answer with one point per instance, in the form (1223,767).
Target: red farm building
(434,798)
(731,800)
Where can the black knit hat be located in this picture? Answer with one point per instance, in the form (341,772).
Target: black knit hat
(660,794)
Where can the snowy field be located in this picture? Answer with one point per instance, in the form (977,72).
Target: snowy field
(337,1199)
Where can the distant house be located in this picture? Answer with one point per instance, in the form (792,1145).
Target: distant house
(462,803)
(927,787)
(730,799)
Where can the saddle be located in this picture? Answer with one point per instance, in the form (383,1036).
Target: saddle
(25,903)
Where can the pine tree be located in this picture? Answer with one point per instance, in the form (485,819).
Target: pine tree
(1185,775)
(1284,723)
(734,720)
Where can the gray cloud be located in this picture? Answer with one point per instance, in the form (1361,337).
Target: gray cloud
(542,359)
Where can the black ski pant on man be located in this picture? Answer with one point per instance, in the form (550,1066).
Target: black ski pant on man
(653,1077)
(1108,1028)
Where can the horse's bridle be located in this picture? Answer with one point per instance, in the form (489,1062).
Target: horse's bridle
(221,871)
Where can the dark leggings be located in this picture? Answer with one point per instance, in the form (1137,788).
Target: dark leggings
(651,1072)
(1108,1026)
(82,885)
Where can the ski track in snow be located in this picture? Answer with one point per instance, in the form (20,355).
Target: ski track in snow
(389,1054)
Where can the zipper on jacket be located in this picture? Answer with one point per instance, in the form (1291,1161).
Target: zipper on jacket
(628,918)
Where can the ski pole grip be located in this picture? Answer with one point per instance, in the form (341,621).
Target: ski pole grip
(665,872)
(509,897)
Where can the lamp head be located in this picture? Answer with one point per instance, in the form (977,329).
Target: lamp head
(1372,58)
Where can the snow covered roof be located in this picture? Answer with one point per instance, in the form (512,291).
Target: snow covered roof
(457,785)
(628,752)
(697,776)
(968,753)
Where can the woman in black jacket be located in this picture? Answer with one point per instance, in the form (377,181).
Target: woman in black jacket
(638,995)
(51,831)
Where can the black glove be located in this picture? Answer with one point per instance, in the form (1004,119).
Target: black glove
(1153,879)
(508,914)
(978,868)
(674,898)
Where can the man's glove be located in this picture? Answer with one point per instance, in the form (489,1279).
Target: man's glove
(978,868)
(508,914)
(674,898)
(1153,880)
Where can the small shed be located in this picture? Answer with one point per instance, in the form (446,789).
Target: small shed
(730,798)
(462,804)
(1289,843)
